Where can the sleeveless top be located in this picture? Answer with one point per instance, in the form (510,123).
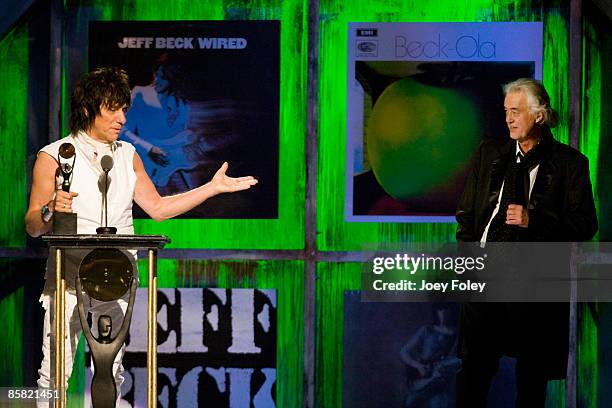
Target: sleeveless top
(88,181)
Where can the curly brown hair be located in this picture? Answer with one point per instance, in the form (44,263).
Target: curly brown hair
(106,87)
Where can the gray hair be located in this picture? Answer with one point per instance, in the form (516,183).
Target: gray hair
(537,99)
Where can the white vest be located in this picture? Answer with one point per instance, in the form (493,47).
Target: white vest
(87,205)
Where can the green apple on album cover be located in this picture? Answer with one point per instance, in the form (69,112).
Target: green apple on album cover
(419,136)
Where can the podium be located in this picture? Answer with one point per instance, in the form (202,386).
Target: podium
(59,244)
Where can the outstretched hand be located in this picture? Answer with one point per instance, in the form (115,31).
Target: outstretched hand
(222,183)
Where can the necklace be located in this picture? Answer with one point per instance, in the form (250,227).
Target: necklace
(94,150)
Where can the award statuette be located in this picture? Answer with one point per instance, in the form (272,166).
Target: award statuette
(105,274)
(65,223)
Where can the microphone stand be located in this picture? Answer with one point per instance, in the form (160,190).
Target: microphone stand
(106,229)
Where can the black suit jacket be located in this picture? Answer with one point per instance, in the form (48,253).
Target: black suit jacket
(560,208)
(561,204)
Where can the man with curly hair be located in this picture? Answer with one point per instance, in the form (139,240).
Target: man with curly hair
(98,105)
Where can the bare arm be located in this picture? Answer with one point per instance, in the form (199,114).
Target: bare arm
(43,192)
(161,208)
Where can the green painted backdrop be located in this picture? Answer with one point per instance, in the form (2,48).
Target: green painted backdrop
(14,60)
(288,231)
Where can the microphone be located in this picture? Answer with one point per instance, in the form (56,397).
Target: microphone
(107,164)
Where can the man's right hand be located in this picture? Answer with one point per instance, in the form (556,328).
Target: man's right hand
(159,156)
(62,201)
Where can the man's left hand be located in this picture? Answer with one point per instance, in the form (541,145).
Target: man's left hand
(517,215)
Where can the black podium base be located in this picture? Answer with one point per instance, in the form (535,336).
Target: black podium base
(106,230)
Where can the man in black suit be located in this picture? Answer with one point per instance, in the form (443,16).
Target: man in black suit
(528,189)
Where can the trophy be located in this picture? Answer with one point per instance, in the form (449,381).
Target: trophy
(65,223)
(105,275)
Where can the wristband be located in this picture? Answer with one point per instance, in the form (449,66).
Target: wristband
(46,213)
